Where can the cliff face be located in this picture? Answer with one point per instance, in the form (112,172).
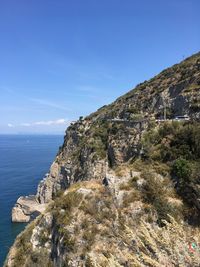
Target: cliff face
(103,191)
(90,142)
(88,147)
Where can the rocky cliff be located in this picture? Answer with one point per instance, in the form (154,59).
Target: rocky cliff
(106,182)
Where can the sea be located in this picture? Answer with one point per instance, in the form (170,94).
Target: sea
(24,160)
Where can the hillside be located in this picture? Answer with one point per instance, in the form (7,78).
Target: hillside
(124,189)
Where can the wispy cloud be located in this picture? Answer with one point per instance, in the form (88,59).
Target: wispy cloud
(10,125)
(25,124)
(47,103)
(39,101)
(55,122)
(47,123)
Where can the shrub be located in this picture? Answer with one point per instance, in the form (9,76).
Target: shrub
(89,236)
(125,186)
(131,197)
(155,192)
(63,206)
(23,246)
(38,259)
(171,141)
(181,169)
(68,241)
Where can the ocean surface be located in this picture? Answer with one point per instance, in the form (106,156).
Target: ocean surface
(23,162)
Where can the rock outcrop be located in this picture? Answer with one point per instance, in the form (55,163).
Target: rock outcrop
(26,209)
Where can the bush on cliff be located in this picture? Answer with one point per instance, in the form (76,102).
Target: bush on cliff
(182,170)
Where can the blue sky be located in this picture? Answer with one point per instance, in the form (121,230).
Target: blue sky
(60,59)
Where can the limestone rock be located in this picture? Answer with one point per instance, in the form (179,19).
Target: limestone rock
(27,208)
(18,215)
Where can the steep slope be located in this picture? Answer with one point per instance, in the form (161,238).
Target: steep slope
(90,142)
(176,88)
(150,167)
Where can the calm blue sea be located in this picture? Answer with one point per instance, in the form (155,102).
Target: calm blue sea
(23,162)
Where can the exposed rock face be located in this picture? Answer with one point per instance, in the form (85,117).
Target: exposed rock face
(126,143)
(27,208)
(101,226)
(52,183)
(18,215)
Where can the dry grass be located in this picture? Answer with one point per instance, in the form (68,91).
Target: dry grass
(151,246)
(92,184)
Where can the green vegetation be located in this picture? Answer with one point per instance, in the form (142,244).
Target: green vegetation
(192,87)
(173,140)
(24,246)
(63,206)
(39,258)
(177,145)
(68,241)
(25,256)
(93,140)
(156,192)
(181,169)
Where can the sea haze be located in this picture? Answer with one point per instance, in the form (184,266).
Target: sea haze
(24,159)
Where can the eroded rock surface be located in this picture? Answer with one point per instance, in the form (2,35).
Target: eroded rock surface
(27,208)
